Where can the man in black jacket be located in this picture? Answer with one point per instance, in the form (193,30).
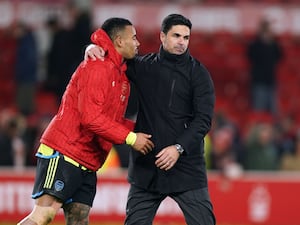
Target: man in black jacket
(264,53)
(176,102)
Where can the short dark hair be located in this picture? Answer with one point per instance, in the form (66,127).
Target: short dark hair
(173,20)
(114,25)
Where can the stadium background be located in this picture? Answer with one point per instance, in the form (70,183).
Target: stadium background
(221,28)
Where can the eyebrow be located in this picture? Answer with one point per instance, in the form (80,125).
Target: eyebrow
(178,35)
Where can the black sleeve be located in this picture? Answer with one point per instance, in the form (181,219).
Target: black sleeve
(203,108)
(131,69)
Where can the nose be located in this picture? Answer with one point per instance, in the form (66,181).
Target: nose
(181,40)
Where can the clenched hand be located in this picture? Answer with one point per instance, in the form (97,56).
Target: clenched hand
(143,144)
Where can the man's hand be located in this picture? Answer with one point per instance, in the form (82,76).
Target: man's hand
(143,144)
(94,52)
(167,158)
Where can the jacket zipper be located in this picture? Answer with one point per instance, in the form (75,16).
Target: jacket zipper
(172,91)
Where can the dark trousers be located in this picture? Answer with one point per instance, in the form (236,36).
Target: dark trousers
(142,206)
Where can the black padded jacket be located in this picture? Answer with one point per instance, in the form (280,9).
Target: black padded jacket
(176,103)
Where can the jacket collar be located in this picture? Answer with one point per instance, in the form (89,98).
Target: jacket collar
(173,58)
(99,37)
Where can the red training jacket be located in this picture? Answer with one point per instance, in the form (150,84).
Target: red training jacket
(91,114)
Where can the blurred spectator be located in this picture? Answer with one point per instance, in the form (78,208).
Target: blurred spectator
(261,152)
(13,149)
(223,147)
(57,72)
(286,128)
(7,67)
(79,33)
(291,160)
(207,150)
(222,121)
(223,152)
(264,54)
(67,46)
(26,68)
(33,135)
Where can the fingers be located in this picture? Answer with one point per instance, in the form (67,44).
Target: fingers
(144,151)
(166,158)
(94,52)
(91,56)
(163,161)
(143,144)
(147,148)
(165,164)
(150,144)
(88,54)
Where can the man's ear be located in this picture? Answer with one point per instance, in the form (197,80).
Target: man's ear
(118,41)
(162,36)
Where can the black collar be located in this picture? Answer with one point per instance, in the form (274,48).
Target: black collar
(173,58)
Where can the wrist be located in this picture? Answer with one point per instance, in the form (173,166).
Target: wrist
(131,138)
(179,149)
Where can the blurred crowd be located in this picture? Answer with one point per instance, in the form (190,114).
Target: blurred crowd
(28,70)
(266,142)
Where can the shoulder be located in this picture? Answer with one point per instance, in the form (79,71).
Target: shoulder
(200,74)
(89,70)
(95,65)
(150,57)
(198,67)
(139,62)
